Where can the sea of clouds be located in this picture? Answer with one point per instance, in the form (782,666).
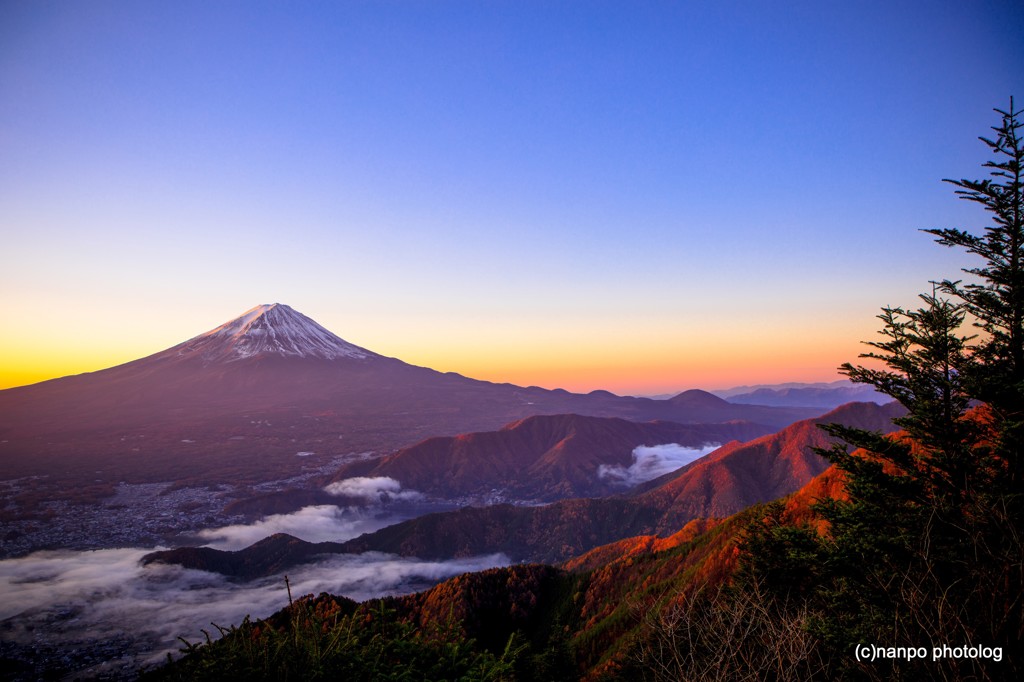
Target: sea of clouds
(318,523)
(650,462)
(72,600)
(103,595)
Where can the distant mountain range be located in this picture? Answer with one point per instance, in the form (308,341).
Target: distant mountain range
(819,395)
(723,483)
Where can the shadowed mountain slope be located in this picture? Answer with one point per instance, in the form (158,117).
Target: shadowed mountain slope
(273,554)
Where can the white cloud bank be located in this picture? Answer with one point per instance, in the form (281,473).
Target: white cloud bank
(75,598)
(649,462)
(318,523)
(372,489)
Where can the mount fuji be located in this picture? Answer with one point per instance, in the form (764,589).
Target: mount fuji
(274,329)
(238,402)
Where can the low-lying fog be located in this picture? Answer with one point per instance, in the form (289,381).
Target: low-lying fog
(650,462)
(101,612)
(81,609)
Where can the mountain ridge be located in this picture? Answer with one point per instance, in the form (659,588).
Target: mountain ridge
(541,457)
(718,485)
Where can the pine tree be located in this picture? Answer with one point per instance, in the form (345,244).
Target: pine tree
(996,299)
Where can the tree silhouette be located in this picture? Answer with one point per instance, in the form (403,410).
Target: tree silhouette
(925,548)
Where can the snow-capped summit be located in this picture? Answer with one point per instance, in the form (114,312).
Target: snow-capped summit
(274,329)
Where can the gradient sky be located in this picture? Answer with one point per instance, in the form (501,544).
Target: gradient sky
(636,196)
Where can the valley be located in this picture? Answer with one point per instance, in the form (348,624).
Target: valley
(137,515)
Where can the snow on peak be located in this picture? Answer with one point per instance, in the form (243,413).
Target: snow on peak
(271,329)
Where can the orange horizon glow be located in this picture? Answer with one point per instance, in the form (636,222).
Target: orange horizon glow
(624,355)
(620,381)
(647,374)
(652,379)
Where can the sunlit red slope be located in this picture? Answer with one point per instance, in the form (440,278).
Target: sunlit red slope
(542,457)
(768,468)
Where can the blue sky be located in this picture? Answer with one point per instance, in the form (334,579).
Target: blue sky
(635,196)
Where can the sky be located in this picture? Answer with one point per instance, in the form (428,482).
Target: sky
(641,197)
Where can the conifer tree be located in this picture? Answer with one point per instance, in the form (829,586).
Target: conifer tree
(995,299)
(926,549)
